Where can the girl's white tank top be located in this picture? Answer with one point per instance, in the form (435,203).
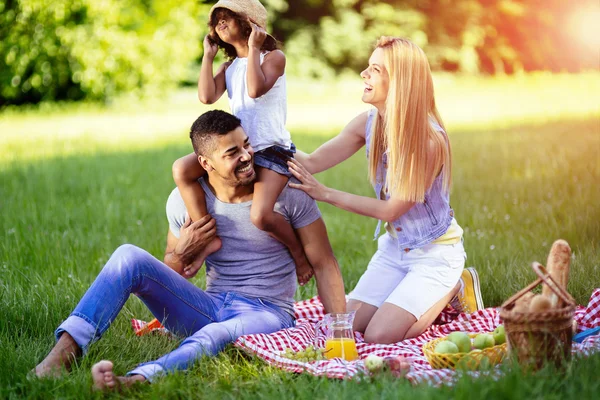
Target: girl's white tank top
(263,119)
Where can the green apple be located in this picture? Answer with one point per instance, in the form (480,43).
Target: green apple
(461,340)
(373,363)
(485,363)
(446,347)
(499,335)
(467,363)
(483,341)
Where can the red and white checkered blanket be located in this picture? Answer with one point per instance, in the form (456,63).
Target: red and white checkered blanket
(309,312)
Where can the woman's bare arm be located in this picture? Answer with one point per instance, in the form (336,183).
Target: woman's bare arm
(337,149)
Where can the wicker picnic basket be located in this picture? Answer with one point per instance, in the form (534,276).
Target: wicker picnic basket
(537,338)
(474,360)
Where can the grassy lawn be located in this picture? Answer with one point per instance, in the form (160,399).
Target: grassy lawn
(78,181)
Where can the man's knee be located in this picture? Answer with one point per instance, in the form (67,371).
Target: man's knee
(126,256)
(128,251)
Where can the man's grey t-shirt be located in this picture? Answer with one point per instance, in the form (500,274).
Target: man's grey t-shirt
(250,261)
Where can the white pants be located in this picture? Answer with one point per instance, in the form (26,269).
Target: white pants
(414,280)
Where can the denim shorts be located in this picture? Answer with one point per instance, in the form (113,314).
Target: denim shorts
(275,158)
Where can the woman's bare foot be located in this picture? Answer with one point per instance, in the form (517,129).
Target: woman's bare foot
(105,379)
(64,352)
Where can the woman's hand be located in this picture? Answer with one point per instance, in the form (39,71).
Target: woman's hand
(308,183)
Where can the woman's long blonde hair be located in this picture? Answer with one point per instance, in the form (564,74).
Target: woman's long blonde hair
(406,130)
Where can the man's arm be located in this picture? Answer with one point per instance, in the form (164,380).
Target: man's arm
(317,248)
(171,259)
(193,238)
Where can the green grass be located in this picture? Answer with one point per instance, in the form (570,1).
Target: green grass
(71,195)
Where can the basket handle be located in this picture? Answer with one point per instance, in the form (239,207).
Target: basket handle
(520,293)
(546,278)
(541,271)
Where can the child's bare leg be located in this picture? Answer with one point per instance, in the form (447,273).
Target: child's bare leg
(105,379)
(266,191)
(186,172)
(64,352)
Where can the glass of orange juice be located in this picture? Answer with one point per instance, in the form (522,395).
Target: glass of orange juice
(339,337)
(341,347)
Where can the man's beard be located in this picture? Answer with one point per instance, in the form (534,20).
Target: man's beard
(235,181)
(246,181)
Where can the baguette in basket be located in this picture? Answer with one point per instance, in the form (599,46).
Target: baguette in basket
(535,338)
(558,263)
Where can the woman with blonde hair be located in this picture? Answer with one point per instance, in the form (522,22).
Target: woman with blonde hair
(420,258)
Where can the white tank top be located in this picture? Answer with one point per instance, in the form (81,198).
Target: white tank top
(263,118)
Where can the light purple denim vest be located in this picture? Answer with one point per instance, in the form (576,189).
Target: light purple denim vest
(424,222)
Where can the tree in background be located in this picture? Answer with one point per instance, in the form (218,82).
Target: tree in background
(536,35)
(95,49)
(75,49)
(470,36)
(325,37)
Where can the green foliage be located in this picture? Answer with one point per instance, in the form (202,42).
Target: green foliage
(64,49)
(87,49)
(345,38)
(472,36)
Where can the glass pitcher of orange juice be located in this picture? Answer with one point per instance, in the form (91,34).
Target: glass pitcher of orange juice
(339,337)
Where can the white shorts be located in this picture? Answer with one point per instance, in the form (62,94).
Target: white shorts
(414,280)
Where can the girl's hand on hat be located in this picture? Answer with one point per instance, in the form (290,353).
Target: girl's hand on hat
(257,37)
(210,48)
(308,183)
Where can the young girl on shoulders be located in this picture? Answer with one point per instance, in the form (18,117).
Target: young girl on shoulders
(254,78)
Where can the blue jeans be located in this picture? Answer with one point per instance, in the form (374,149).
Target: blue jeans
(209,321)
(275,158)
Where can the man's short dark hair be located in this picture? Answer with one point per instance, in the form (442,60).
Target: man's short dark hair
(207,126)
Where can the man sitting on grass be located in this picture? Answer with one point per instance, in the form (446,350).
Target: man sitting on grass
(251,279)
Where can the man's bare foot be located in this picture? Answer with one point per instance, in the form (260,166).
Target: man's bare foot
(105,379)
(42,371)
(64,352)
(191,270)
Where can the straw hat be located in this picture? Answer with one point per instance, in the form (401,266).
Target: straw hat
(251,8)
